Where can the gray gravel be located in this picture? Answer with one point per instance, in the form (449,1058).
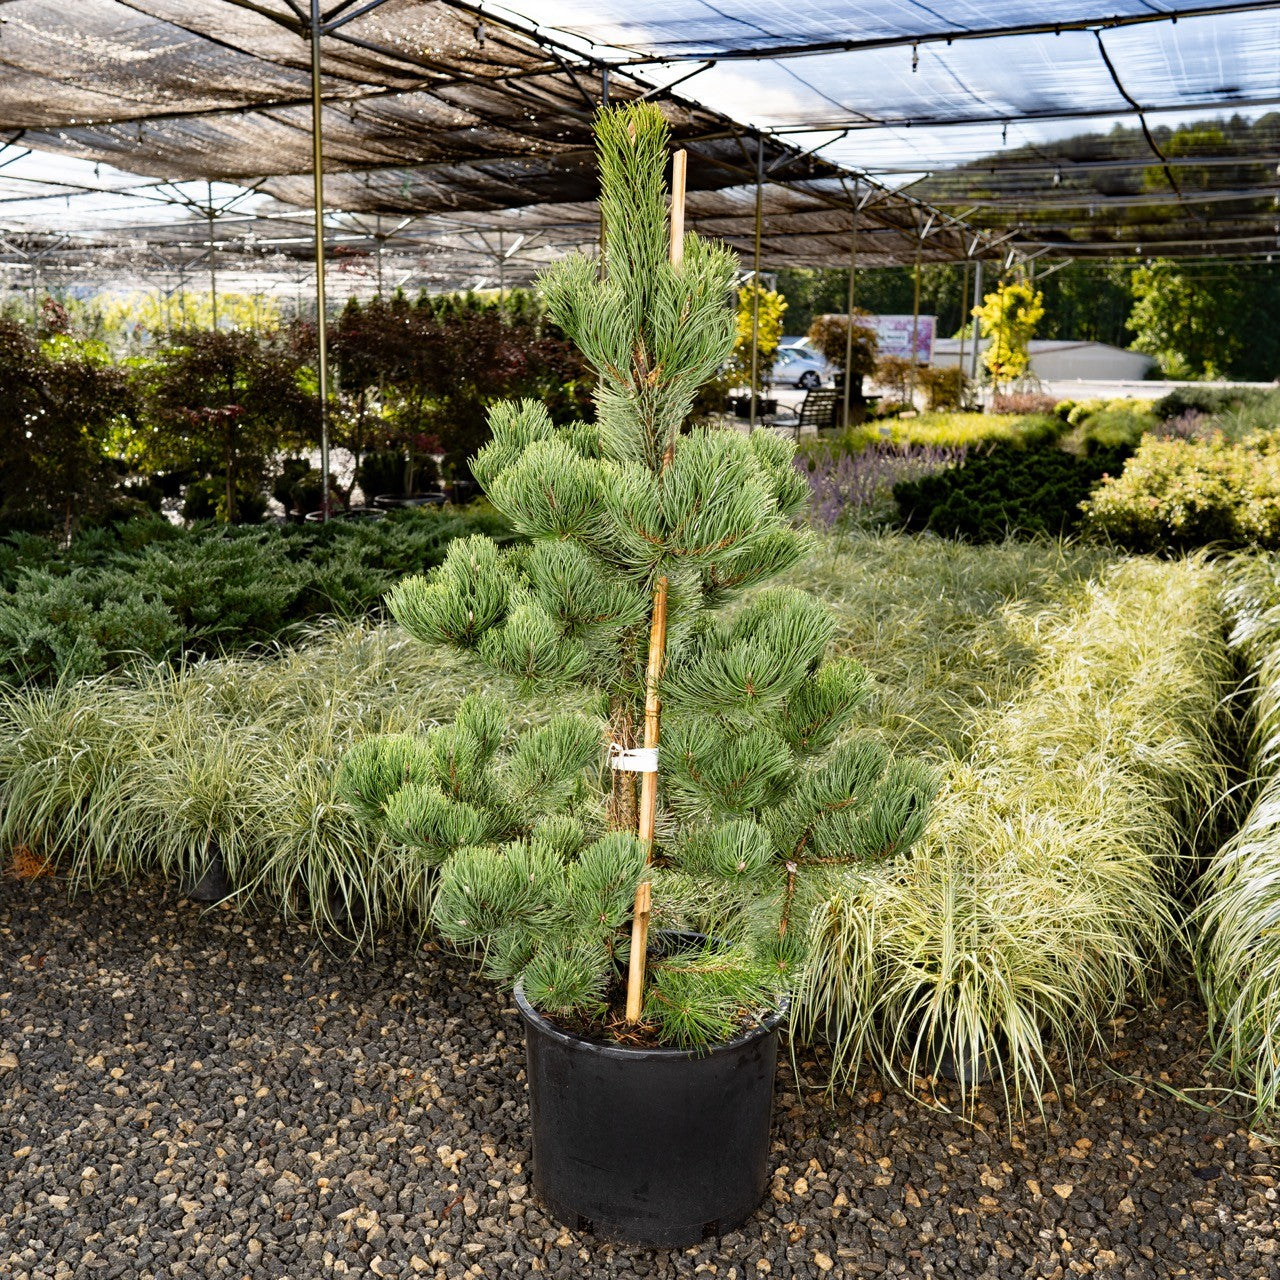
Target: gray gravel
(188,1093)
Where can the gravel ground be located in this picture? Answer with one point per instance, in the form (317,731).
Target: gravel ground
(187,1093)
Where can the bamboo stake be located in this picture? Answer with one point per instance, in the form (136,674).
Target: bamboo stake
(648,801)
(679,167)
(653,673)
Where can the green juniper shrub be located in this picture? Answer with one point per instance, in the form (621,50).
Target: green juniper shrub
(72,626)
(1006,490)
(148,588)
(240,589)
(761,797)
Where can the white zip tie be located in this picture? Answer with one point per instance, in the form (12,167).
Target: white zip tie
(633,759)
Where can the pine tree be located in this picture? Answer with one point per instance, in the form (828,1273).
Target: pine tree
(641,537)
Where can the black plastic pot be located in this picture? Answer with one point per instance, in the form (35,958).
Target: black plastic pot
(394,501)
(959,1063)
(212,885)
(650,1146)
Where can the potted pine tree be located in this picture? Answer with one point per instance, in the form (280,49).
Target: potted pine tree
(651,1053)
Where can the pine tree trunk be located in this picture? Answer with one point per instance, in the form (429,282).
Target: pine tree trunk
(623,814)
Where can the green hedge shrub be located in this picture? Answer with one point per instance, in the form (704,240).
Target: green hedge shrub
(1210,400)
(1110,425)
(1176,494)
(1005,491)
(952,430)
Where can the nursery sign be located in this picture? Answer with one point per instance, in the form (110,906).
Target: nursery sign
(893,336)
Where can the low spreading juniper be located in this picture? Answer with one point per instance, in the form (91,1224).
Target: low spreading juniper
(638,529)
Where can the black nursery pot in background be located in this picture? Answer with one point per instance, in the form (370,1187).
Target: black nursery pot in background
(211,884)
(656,1147)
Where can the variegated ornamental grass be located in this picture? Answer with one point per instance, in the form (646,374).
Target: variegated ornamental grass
(1238,922)
(1044,895)
(1071,700)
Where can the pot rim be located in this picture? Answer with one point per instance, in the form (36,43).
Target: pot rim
(653,1053)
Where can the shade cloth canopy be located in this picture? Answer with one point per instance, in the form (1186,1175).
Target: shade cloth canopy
(457,136)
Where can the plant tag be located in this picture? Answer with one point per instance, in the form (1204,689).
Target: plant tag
(633,759)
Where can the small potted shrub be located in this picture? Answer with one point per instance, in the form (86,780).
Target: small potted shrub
(703,783)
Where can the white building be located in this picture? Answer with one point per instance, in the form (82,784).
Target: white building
(1063,360)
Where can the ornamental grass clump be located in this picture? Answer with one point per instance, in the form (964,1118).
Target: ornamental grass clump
(641,537)
(1238,933)
(1046,893)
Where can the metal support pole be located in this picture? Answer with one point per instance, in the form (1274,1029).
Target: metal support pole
(502,271)
(755,280)
(964,295)
(317,157)
(848,332)
(213,264)
(977,302)
(377,241)
(915,327)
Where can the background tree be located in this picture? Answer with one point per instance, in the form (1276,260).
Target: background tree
(224,404)
(426,371)
(829,336)
(63,406)
(1008,318)
(767,324)
(1193,332)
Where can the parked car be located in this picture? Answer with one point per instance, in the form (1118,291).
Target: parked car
(800,367)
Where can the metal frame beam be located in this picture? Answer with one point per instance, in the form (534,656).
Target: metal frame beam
(807,49)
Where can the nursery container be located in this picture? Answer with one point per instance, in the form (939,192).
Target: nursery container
(661,1147)
(212,885)
(395,501)
(958,1063)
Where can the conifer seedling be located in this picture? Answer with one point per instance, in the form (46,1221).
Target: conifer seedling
(648,544)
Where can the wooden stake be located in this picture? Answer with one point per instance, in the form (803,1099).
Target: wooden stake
(679,166)
(648,798)
(653,674)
